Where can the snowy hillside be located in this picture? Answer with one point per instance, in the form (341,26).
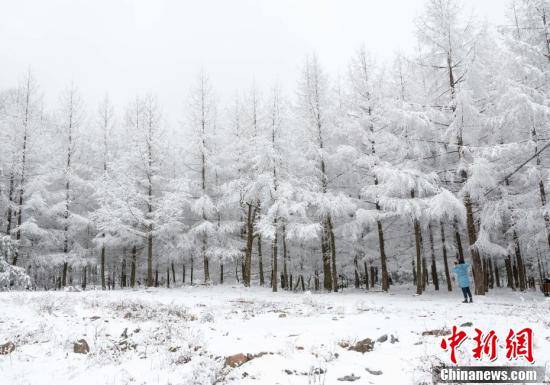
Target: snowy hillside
(184,336)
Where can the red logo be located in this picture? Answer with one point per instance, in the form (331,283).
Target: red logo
(518,345)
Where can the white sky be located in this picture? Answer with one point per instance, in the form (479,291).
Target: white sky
(128,46)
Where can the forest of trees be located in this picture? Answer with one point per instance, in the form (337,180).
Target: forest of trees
(384,174)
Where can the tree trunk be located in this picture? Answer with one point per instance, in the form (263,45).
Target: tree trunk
(509,273)
(357,281)
(183,273)
(133,267)
(541,275)
(150,258)
(491,273)
(9,214)
(205,259)
(366,275)
(435,278)
(332,254)
(274,257)
(221,273)
(424,274)
(516,275)
(173,273)
(64,274)
(418,244)
(383,259)
(445,262)
(543,203)
(249,244)
(102,267)
(472,236)
(84,278)
(260,261)
(325,249)
(286,261)
(123,273)
(415,278)
(192,269)
(519,263)
(168,277)
(458,239)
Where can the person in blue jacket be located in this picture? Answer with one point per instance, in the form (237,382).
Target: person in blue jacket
(461,271)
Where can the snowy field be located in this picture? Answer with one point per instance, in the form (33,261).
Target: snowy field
(184,336)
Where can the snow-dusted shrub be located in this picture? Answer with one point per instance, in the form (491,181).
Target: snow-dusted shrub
(205,371)
(13,277)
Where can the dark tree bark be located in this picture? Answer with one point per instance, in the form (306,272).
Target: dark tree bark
(435,278)
(418,246)
(424,274)
(445,262)
(9,213)
(173,273)
(357,279)
(286,259)
(509,273)
(274,257)
(332,254)
(64,274)
(383,259)
(325,250)
(205,262)
(123,273)
(366,275)
(102,267)
(285,280)
(150,257)
(183,273)
(84,278)
(192,269)
(491,273)
(516,274)
(133,267)
(250,218)
(472,236)
(519,262)
(260,261)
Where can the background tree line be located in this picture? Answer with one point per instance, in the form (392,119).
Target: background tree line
(384,174)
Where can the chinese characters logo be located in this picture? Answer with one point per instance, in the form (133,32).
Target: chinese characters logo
(518,344)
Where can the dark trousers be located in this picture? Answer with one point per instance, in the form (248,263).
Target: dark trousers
(467,293)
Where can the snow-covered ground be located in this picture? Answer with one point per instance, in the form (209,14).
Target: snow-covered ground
(183,336)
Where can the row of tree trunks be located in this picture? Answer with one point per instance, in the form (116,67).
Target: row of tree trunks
(362,278)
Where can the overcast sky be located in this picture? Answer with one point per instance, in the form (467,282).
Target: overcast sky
(128,46)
